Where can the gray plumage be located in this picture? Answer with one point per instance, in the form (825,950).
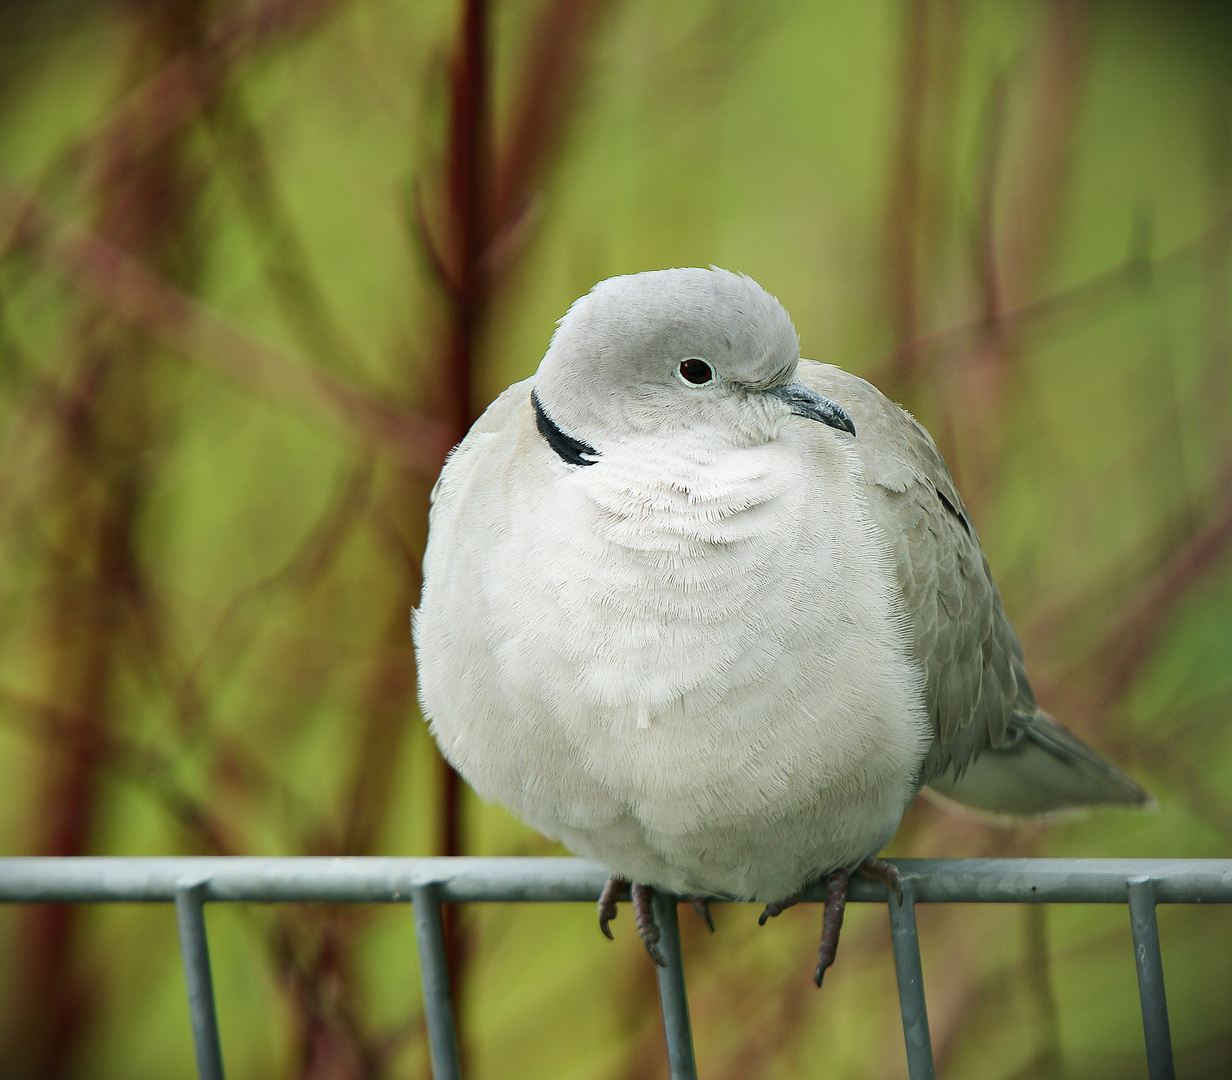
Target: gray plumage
(993,748)
(711,614)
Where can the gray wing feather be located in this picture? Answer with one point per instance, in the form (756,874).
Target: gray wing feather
(993,748)
(975,682)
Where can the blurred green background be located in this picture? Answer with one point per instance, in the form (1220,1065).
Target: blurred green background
(262,261)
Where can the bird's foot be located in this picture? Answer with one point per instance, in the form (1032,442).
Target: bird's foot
(885,872)
(607,903)
(832,921)
(647,928)
(776,908)
(702,906)
(643,913)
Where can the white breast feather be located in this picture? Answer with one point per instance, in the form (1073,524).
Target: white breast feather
(654,658)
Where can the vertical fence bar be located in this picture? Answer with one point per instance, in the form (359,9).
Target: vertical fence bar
(910,972)
(434,973)
(672,996)
(1149,960)
(195,951)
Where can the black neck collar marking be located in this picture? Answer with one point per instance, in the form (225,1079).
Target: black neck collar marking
(570,450)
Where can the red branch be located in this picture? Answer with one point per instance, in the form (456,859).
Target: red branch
(132,292)
(1131,637)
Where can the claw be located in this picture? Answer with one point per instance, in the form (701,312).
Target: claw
(647,928)
(832,921)
(776,908)
(837,885)
(607,903)
(702,906)
(885,872)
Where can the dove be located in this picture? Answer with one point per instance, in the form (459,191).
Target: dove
(711,614)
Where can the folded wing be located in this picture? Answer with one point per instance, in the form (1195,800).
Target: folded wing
(993,748)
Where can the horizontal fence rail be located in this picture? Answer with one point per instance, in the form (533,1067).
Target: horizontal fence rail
(189,883)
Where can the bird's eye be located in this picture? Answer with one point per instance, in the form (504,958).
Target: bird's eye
(695,371)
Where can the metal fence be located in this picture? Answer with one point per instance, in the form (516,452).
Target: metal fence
(426,884)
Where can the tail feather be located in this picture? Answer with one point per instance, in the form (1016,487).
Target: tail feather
(1046,771)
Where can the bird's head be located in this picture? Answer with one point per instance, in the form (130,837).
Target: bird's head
(677,350)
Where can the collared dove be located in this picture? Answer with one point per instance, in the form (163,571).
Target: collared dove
(711,614)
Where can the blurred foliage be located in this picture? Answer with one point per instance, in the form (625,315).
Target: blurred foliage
(262,261)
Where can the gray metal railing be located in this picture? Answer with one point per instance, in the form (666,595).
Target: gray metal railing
(189,883)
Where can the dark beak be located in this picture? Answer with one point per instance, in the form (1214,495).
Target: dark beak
(812,406)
